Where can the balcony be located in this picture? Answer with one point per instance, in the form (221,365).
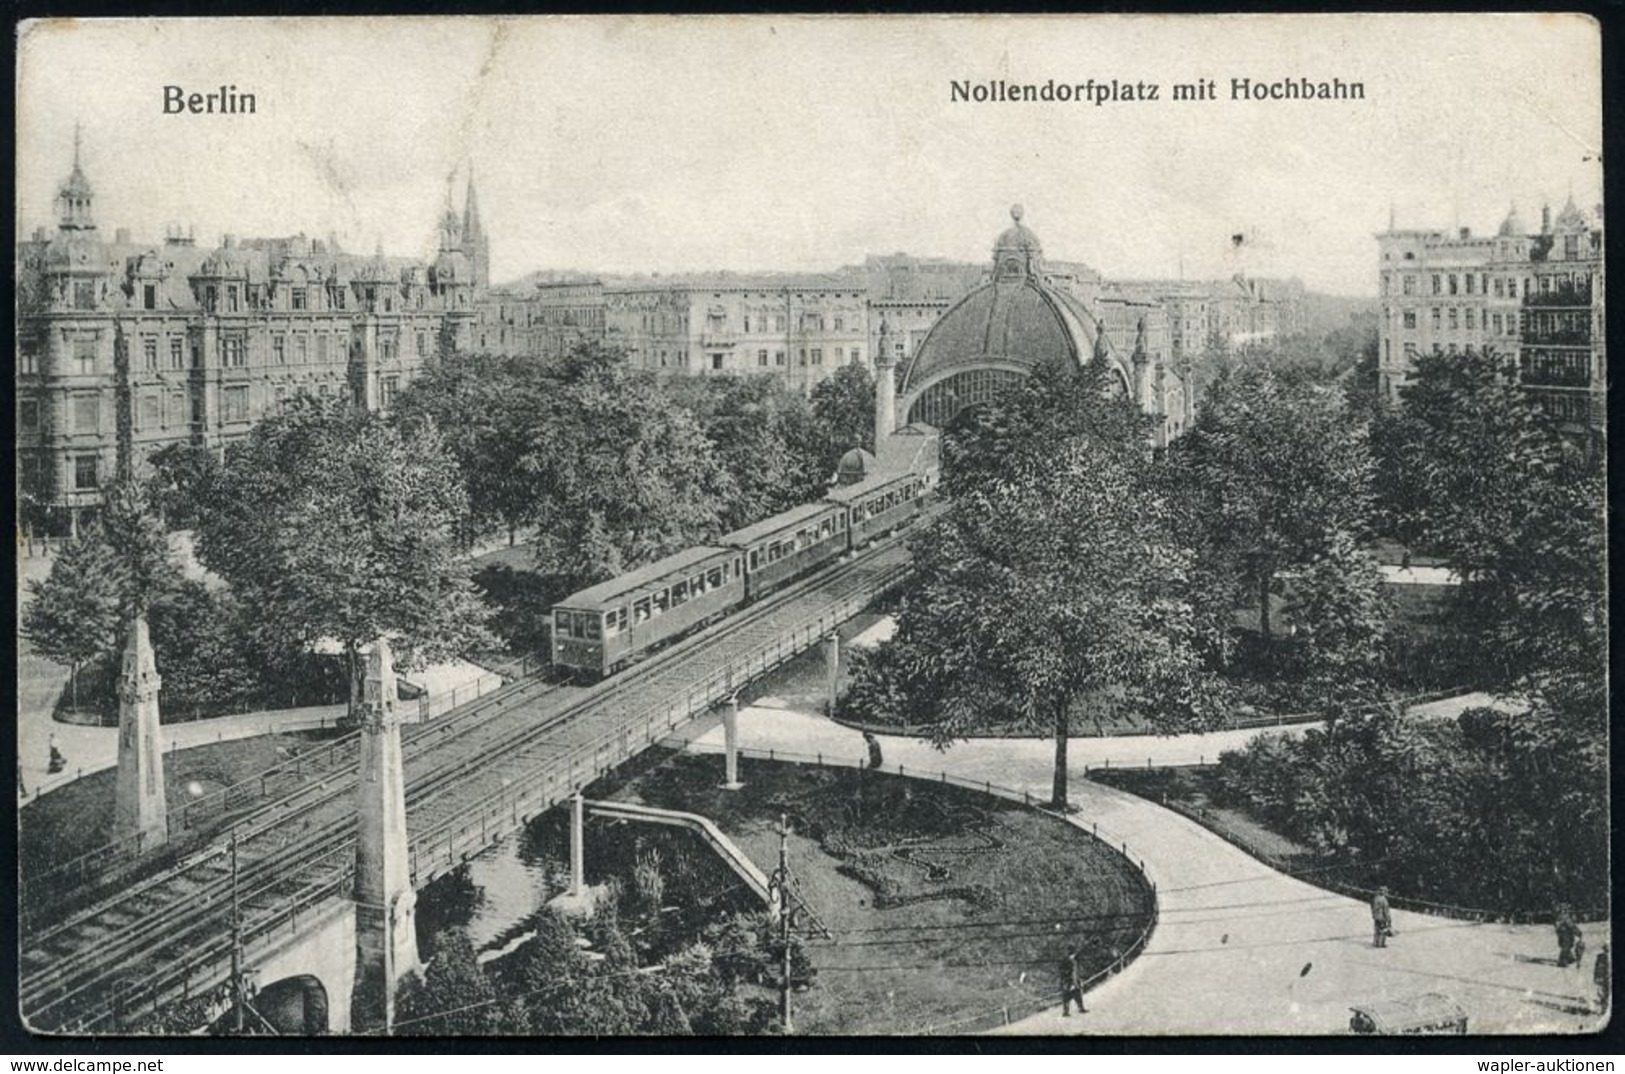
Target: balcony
(1563,295)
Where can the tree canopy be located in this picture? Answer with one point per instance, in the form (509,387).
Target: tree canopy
(1051,576)
(332,522)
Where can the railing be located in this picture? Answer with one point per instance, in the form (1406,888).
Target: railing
(447,844)
(1006,1013)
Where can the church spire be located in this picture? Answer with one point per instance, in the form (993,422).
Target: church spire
(471,210)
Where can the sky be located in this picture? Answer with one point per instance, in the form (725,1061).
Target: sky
(671,144)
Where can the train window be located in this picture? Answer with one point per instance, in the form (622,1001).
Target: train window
(696,584)
(754,559)
(826,527)
(840,520)
(640,610)
(679,593)
(660,602)
(563,623)
(714,576)
(614,622)
(588,624)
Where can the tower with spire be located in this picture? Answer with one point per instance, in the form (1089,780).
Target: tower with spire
(475,245)
(75,198)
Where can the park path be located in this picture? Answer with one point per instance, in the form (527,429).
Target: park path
(1239,948)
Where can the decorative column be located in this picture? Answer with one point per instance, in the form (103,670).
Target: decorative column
(885,388)
(138,802)
(386,934)
(730,744)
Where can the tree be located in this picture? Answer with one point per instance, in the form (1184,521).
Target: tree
(330,522)
(764,439)
(179,477)
(1051,578)
(73,615)
(454,997)
(843,407)
(116,570)
(1474,471)
(1271,471)
(625,474)
(1340,613)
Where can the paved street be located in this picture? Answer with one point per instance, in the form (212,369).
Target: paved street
(1240,948)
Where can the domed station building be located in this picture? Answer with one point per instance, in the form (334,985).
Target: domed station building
(1015,322)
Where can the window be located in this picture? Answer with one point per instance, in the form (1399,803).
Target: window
(1470,316)
(231,299)
(150,411)
(1408,284)
(713,577)
(1468,281)
(149,297)
(149,352)
(387,387)
(197,355)
(761,357)
(1500,287)
(1410,318)
(778,357)
(804,356)
(337,295)
(233,352)
(1438,281)
(84,295)
(301,348)
(818,356)
(1495,319)
(28,415)
(211,297)
(279,349)
(778,322)
(177,407)
(679,593)
(235,402)
(840,323)
(321,348)
(1512,287)
(87,413)
(1453,317)
(1452,283)
(423,351)
(716,361)
(296,299)
(857,356)
(640,610)
(86,472)
(84,356)
(177,356)
(1437,314)
(660,602)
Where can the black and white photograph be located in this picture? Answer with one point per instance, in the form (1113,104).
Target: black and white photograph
(832,526)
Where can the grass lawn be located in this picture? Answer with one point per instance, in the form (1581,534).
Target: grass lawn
(944,904)
(1192,790)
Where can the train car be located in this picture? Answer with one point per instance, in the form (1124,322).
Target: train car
(879,504)
(778,549)
(604,627)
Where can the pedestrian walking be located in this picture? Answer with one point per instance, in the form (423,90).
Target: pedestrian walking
(1071,986)
(1570,944)
(57,762)
(874,748)
(1603,974)
(1382,922)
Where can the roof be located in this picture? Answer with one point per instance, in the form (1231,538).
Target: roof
(625,583)
(848,493)
(757,530)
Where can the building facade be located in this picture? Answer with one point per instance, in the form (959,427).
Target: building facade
(1536,296)
(544,321)
(124,348)
(799,330)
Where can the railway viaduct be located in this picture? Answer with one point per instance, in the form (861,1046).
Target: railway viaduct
(287,883)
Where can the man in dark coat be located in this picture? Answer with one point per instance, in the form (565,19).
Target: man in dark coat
(1603,974)
(1570,947)
(1382,922)
(1071,986)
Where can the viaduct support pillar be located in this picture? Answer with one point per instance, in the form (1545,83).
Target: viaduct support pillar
(386,934)
(578,839)
(138,801)
(832,664)
(730,744)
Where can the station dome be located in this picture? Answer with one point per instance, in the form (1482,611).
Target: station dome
(999,333)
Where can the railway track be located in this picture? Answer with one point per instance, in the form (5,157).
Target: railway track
(501,759)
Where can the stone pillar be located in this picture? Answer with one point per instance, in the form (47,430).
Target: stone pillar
(832,666)
(885,389)
(578,839)
(138,801)
(386,933)
(730,744)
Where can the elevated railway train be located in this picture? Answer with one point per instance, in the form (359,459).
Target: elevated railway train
(603,628)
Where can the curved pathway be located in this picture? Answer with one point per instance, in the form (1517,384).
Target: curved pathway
(1240,948)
